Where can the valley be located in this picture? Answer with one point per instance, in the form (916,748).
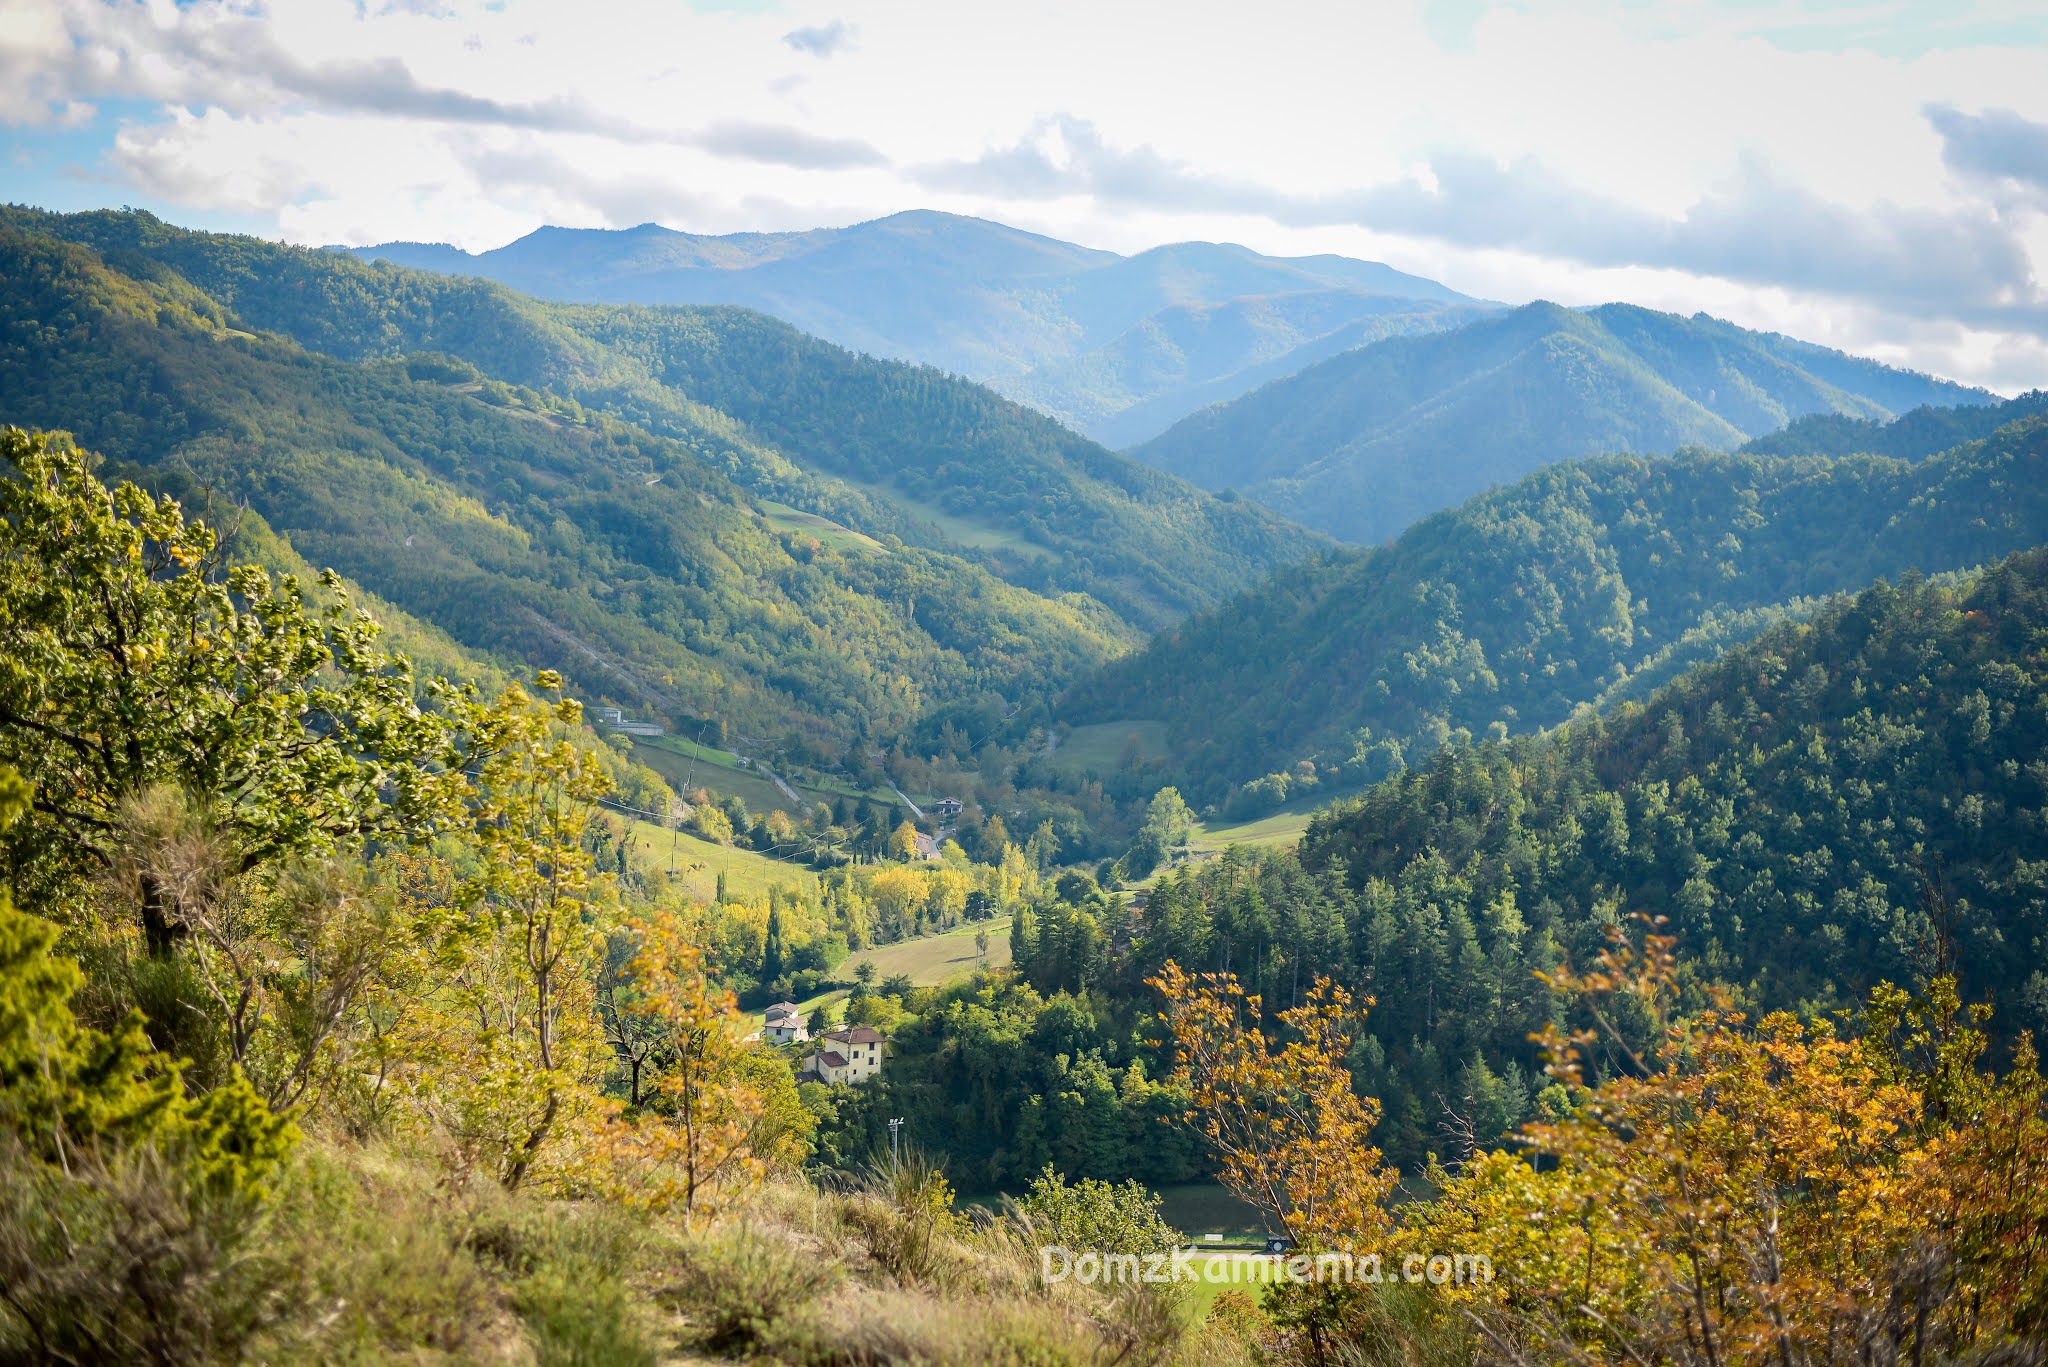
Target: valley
(1465,773)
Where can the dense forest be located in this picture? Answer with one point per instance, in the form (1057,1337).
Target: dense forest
(1855,798)
(522,524)
(1585,582)
(1372,440)
(1923,432)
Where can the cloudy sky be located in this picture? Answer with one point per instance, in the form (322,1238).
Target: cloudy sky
(1873,175)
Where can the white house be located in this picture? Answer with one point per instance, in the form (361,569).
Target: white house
(785,1025)
(846,1053)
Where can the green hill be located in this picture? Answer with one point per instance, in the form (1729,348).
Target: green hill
(1848,799)
(1586,581)
(882,448)
(1923,432)
(1368,442)
(1790,808)
(521,523)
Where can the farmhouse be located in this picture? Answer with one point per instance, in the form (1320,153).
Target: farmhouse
(846,1053)
(785,1025)
(614,719)
(947,808)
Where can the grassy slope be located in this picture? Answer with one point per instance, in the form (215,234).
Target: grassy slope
(1099,748)
(1280,828)
(697,863)
(928,961)
(931,960)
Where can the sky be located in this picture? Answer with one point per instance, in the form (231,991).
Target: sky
(1872,176)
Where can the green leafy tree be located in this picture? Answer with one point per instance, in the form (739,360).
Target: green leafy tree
(130,661)
(1097,1215)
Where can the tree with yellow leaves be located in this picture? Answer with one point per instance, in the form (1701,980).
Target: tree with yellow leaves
(704,1088)
(1293,1137)
(500,1049)
(1771,1193)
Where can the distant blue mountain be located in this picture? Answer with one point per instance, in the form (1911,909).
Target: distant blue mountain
(1118,347)
(1367,442)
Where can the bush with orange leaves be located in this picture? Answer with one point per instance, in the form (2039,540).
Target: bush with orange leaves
(1780,1193)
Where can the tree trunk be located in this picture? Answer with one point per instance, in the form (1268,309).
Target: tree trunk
(523,1160)
(160,933)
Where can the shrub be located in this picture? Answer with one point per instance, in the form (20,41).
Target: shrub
(577,1320)
(741,1285)
(1097,1215)
(127,1256)
(902,1214)
(132,1217)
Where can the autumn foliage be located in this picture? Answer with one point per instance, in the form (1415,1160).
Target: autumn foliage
(1291,1135)
(1784,1191)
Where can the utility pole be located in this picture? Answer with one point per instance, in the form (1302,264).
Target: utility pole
(695,745)
(895,1129)
(676,829)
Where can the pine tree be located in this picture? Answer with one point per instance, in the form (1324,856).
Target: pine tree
(772,952)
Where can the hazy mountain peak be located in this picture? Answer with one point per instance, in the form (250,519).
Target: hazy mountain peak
(1078,332)
(1367,442)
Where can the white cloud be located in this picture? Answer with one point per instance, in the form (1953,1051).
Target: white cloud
(1790,165)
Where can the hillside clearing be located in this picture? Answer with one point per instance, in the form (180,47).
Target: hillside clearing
(1099,749)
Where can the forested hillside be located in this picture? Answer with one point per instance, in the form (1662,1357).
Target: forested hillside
(522,524)
(1915,435)
(884,449)
(1587,580)
(1117,347)
(1366,443)
(1858,798)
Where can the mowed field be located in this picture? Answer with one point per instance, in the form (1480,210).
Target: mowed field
(931,960)
(1281,828)
(784,518)
(1277,831)
(928,961)
(697,863)
(758,793)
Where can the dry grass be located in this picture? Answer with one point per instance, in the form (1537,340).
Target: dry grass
(374,1256)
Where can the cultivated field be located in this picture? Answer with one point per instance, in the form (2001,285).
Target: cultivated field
(1099,749)
(934,959)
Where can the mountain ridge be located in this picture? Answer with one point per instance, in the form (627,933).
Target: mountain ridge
(1532,600)
(534,527)
(942,463)
(1024,313)
(1366,442)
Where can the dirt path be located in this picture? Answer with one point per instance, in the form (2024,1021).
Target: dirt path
(776,779)
(915,810)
